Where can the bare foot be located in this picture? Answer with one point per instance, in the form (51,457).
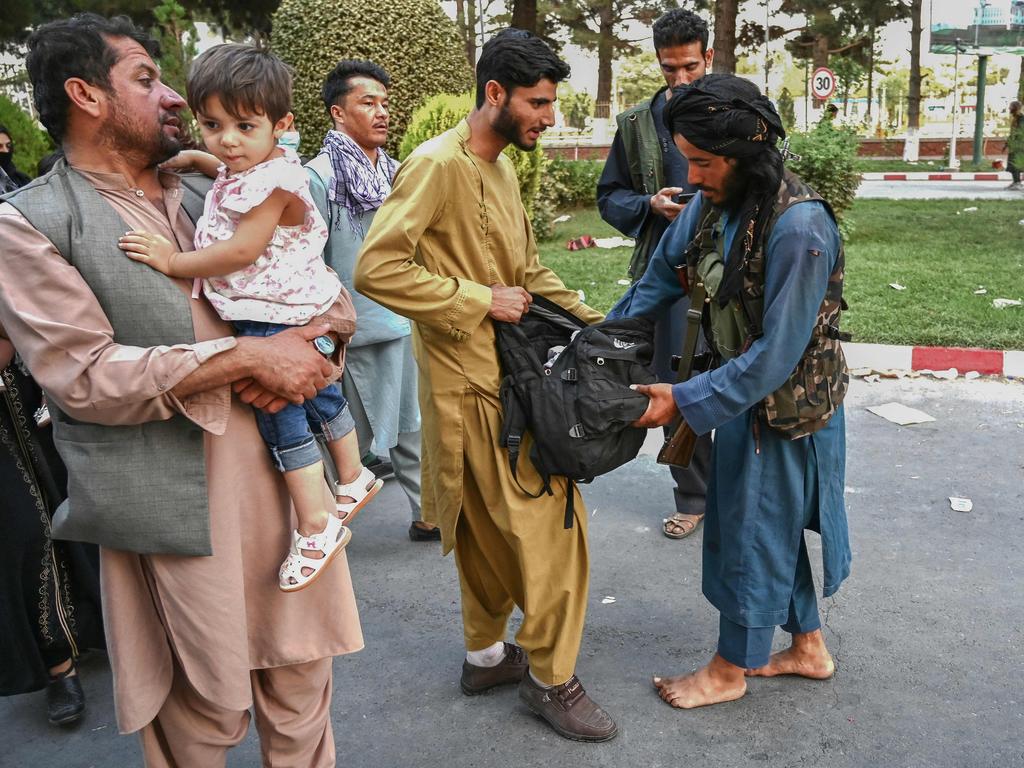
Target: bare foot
(807,657)
(715,683)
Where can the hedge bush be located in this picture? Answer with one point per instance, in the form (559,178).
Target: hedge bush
(828,162)
(442,112)
(31,143)
(412,39)
(572,183)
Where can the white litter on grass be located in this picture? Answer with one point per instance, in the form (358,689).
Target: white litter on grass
(583,296)
(972,209)
(983,291)
(562,219)
(1004,303)
(608,600)
(622,282)
(900,414)
(614,242)
(958,504)
(897,287)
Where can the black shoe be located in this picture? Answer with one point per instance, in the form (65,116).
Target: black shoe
(422,534)
(475,680)
(382,468)
(568,710)
(65,699)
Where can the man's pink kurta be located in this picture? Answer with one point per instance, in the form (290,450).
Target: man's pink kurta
(221,615)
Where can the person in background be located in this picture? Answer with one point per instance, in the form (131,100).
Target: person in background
(639,194)
(349,180)
(10,177)
(1015,145)
(49,590)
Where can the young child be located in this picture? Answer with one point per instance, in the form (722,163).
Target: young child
(259,246)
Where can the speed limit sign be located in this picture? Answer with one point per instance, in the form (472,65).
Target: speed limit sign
(823,83)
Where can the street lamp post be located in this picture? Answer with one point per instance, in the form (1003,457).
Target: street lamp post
(954,162)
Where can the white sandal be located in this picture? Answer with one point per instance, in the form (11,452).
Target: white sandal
(360,490)
(332,540)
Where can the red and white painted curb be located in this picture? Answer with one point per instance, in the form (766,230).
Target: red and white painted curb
(936,176)
(881,357)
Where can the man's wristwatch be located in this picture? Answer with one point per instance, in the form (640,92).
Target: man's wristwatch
(324,345)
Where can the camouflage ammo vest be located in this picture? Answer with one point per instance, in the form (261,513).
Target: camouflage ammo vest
(817,386)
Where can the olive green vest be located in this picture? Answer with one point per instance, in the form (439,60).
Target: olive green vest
(817,386)
(135,487)
(643,154)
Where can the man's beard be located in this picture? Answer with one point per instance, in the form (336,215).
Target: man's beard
(506,126)
(734,190)
(126,135)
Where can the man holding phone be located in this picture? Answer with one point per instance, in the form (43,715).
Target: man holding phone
(642,189)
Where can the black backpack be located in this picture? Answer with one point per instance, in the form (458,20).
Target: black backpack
(578,407)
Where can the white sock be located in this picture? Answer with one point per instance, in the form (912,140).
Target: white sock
(538,682)
(491,656)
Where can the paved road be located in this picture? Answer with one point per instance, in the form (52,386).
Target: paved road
(927,632)
(938,190)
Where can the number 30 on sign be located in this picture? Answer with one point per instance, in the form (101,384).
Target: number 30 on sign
(823,83)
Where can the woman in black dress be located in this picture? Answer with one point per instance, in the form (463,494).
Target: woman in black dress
(49,590)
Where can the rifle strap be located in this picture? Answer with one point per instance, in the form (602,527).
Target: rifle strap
(694,315)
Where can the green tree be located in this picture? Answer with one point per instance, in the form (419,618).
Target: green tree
(639,78)
(413,40)
(176,33)
(576,106)
(849,77)
(786,109)
(30,142)
(602,26)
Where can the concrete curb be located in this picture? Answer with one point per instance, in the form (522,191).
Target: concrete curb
(936,176)
(989,362)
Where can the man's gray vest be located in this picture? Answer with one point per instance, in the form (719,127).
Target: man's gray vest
(139,487)
(646,172)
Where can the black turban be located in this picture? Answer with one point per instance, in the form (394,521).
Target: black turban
(724,115)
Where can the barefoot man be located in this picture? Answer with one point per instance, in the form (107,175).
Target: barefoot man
(759,250)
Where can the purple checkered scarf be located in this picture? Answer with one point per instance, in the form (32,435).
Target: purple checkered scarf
(357,185)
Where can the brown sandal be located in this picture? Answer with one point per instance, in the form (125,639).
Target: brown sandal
(680,525)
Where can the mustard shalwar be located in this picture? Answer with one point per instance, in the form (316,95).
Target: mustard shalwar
(453,226)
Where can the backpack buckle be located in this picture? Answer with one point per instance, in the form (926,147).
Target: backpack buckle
(569,374)
(512,442)
(577,431)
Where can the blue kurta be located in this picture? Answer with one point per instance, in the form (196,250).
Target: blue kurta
(759,503)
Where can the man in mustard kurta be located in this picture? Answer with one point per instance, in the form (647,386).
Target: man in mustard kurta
(452,250)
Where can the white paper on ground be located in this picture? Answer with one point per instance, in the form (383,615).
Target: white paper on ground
(608,600)
(1004,303)
(614,242)
(900,414)
(622,282)
(562,219)
(897,287)
(958,504)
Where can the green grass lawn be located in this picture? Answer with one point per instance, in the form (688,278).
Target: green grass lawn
(941,258)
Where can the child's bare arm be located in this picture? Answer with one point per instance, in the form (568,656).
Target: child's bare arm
(189,159)
(255,230)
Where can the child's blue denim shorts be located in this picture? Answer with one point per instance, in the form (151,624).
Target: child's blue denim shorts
(289,433)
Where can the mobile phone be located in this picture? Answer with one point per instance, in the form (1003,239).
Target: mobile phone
(683,198)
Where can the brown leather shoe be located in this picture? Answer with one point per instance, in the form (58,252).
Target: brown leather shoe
(509,670)
(568,710)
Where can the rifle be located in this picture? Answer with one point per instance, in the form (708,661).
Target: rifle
(678,448)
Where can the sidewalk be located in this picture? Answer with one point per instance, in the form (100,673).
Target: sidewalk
(926,632)
(987,362)
(935,176)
